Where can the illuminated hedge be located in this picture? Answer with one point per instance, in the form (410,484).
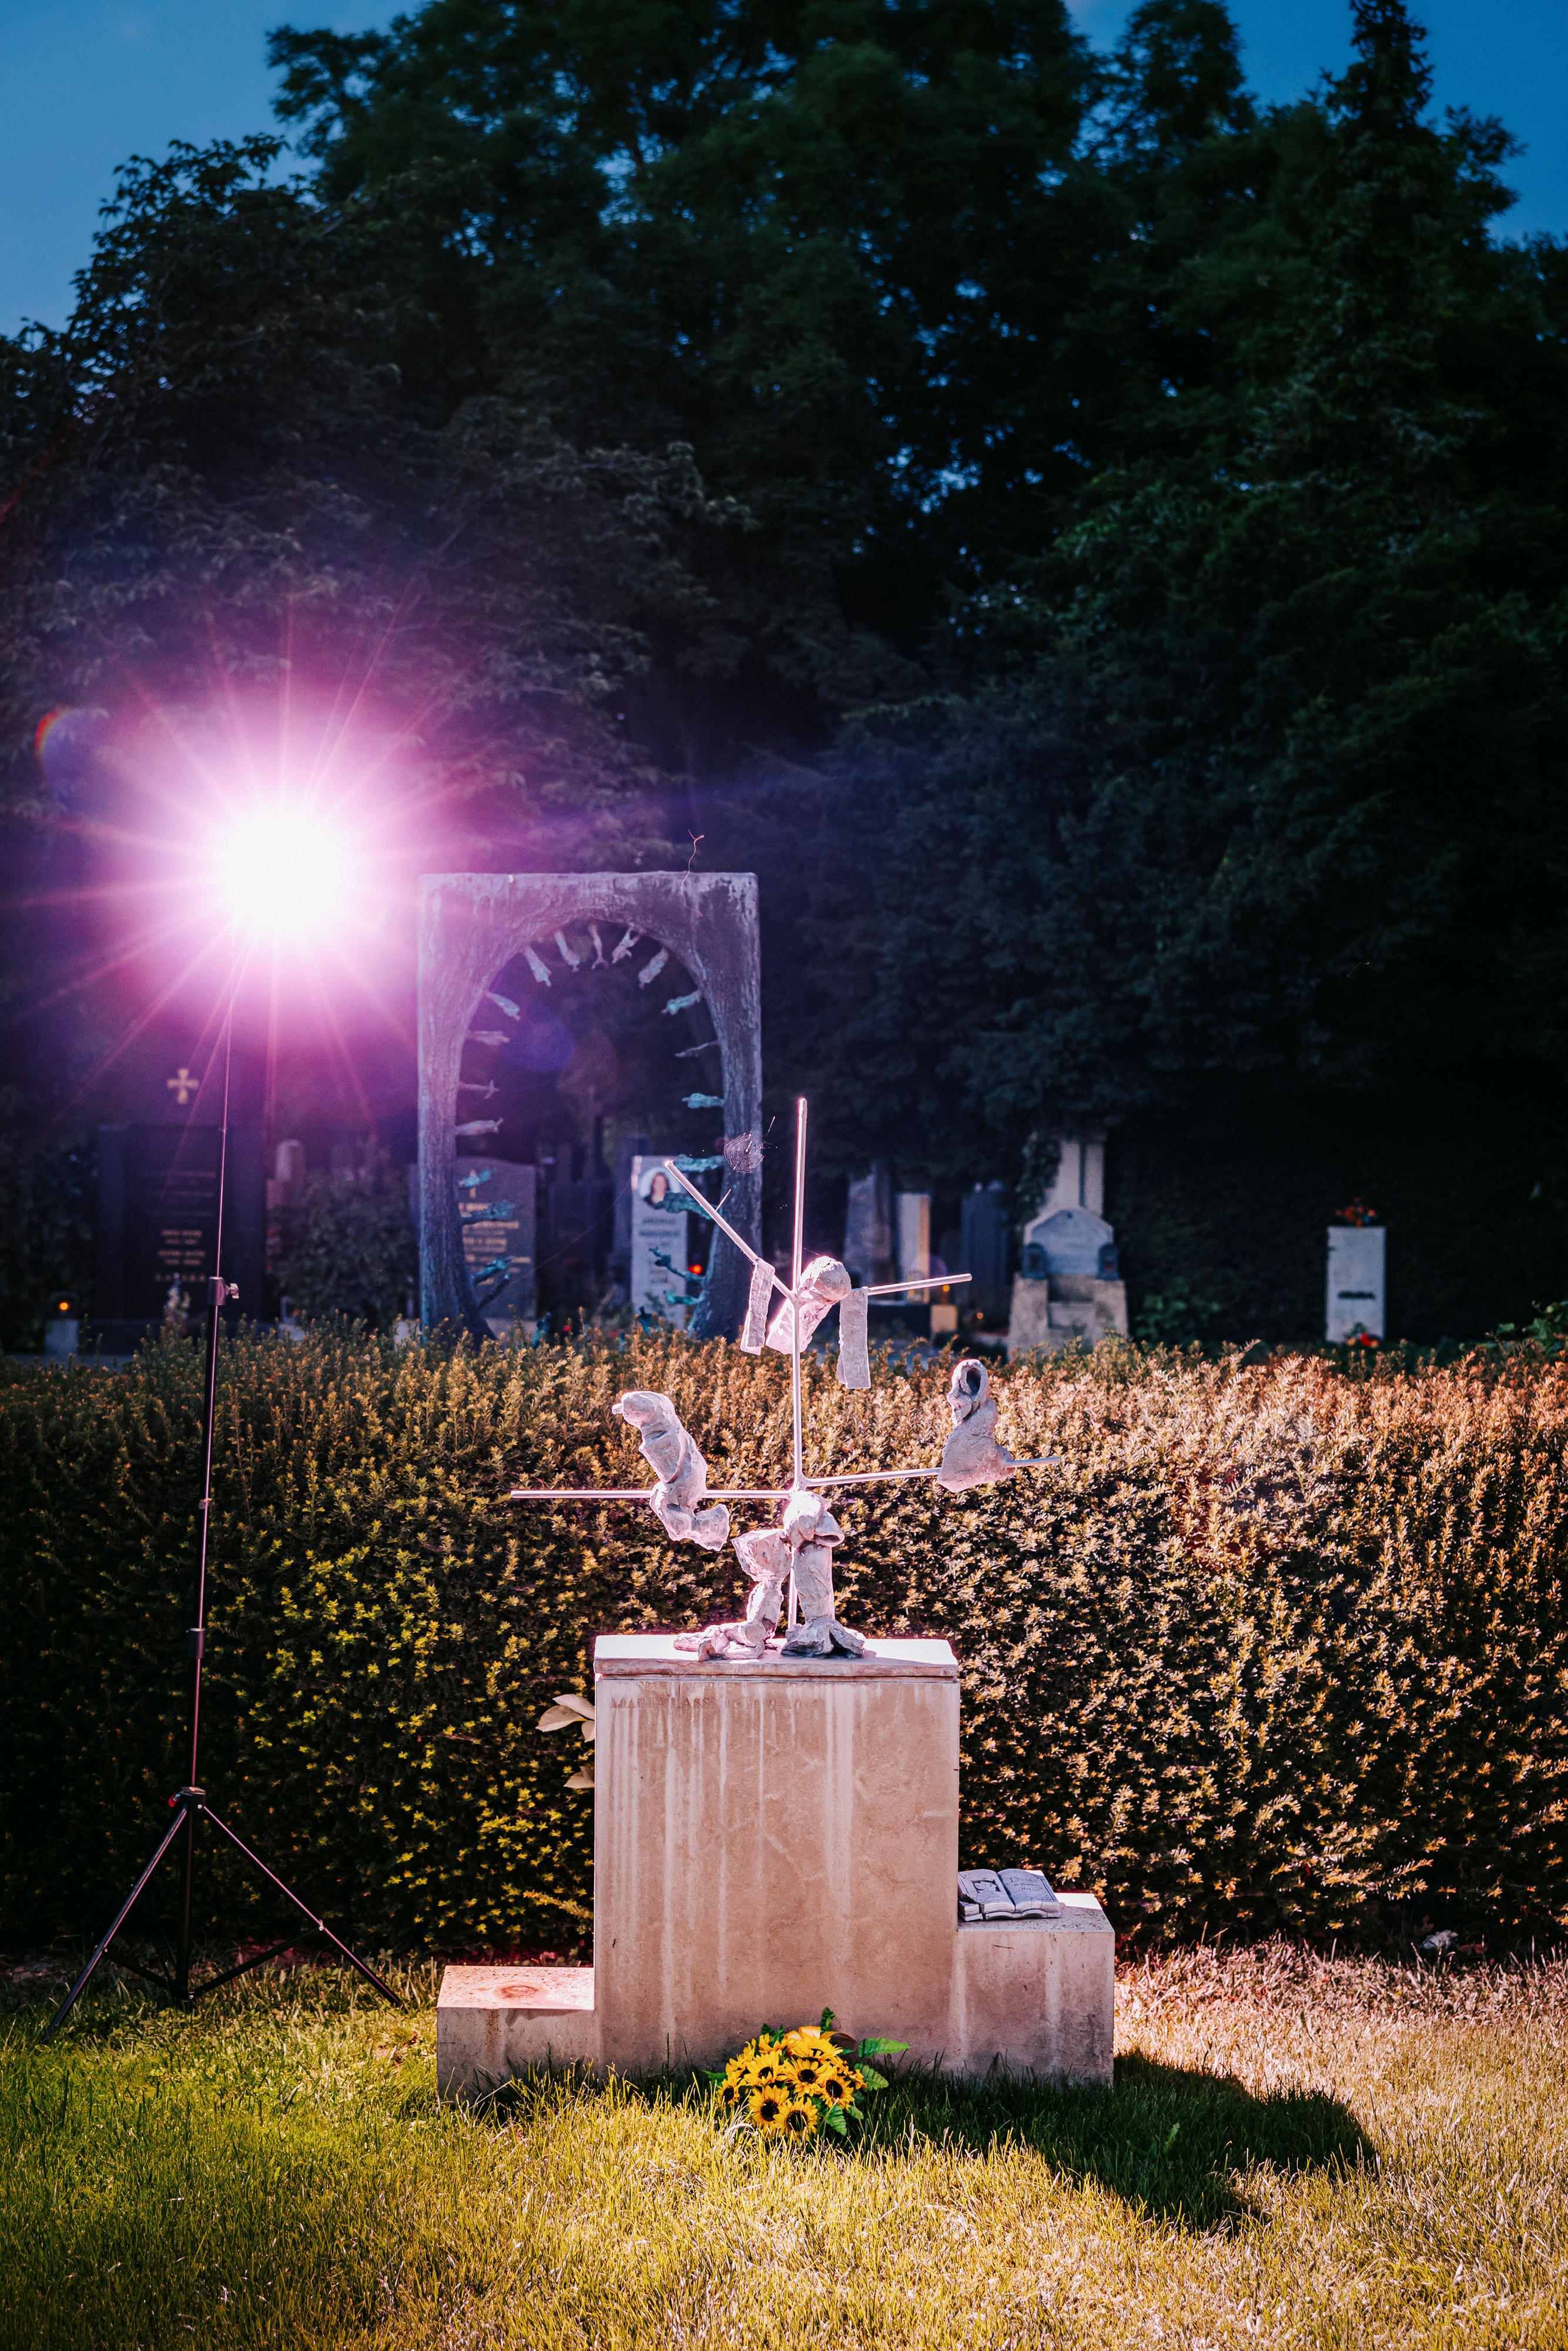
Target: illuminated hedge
(1275,1642)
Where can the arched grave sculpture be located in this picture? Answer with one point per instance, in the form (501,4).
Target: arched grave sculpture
(471,925)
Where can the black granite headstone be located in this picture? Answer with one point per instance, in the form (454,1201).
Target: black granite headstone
(157,1220)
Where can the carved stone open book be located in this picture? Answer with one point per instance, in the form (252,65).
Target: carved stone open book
(993,1894)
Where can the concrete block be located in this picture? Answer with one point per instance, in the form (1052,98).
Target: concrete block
(1037,1997)
(772,1838)
(492,2022)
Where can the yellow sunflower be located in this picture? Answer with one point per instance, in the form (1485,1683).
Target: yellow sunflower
(764,2069)
(798,2119)
(837,2086)
(732,2094)
(809,2041)
(766,2109)
(807,2071)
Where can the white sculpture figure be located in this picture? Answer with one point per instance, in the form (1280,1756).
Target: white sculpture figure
(810,1530)
(820,1287)
(797,1554)
(681,1472)
(854,1353)
(754,1330)
(801,1547)
(971,1456)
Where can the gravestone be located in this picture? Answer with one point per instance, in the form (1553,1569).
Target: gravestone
(868,1227)
(157,1220)
(1069,1287)
(911,1224)
(1356,1282)
(770,1838)
(472,925)
(983,1239)
(497,1206)
(659,1236)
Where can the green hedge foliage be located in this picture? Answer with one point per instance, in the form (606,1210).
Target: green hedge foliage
(1274,1645)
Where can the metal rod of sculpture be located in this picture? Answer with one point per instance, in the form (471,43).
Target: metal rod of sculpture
(801,1547)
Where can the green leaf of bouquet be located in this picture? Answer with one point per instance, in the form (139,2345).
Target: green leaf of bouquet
(883,2048)
(871,2080)
(836,2121)
(827,2019)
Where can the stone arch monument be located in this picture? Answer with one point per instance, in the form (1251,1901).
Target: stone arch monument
(471,925)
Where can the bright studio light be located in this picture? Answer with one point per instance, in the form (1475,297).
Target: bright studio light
(282,873)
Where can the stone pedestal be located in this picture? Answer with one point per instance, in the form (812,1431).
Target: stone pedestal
(772,1838)
(1053,1312)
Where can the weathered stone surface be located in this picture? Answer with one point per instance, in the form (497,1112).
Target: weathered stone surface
(770,1840)
(492,2022)
(1053,1313)
(774,1836)
(1037,1996)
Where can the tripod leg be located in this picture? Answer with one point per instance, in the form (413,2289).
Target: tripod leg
(121,1916)
(289,1895)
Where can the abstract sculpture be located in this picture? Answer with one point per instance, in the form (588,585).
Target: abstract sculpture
(680,1469)
(790,1564)
(971,1456)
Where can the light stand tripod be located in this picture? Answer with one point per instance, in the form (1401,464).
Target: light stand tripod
(189,1804)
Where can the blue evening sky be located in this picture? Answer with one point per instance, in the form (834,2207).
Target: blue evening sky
(85,83)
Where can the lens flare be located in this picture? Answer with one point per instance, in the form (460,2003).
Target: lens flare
(281,871)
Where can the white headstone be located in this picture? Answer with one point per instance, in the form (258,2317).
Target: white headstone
(914,1219)
(658,1232)
(868,1236)
(1356,1282)
(1080,1178)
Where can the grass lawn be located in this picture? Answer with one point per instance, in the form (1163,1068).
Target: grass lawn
(1296,2151)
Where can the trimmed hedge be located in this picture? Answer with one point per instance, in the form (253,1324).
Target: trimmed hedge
(1274,1643)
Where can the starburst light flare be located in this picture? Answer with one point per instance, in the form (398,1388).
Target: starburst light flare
(282,870)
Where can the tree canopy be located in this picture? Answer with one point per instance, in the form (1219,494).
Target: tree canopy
(1096,545)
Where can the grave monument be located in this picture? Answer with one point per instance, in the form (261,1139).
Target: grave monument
(157,1210)
(1357,1281)
(776,1823)
(606,925)
(1068,1286)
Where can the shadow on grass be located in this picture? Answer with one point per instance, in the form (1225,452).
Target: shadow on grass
(1167,2140)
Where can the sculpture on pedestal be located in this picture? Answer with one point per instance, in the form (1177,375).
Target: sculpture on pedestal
(791,1565)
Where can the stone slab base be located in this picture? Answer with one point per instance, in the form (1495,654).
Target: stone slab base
(1035,1997)
(1038,1996)
(492,2022)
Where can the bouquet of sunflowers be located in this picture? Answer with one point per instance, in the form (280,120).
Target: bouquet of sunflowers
(793,2085)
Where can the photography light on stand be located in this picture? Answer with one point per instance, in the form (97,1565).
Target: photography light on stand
(278,873)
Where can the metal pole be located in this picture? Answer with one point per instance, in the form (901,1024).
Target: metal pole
(795,1270)
(217,1295)
(706,1208)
